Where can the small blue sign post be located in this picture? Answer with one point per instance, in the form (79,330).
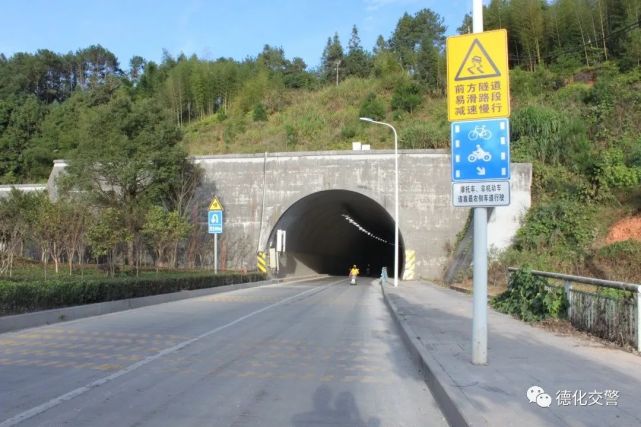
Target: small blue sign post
(481,150)
(215,225)
(215,222)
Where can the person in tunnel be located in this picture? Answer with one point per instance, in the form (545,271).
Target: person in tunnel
(353,273)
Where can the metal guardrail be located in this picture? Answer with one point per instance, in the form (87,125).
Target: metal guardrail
(604,316)
(586,280)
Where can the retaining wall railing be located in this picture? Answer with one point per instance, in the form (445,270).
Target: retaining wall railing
(615,318)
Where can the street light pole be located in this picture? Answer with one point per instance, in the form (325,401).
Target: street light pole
(367,119)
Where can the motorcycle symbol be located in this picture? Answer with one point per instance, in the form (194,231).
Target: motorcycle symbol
(479,132)
(479,154)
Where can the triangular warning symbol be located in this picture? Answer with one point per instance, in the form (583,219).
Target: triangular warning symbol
(215,205)
(477,64)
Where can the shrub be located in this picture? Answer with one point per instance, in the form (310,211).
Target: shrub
(529,299)
(372,107)
(21,297)
(424,135)
(291,136)
(559,226)
(621,260)
(260,113)
(348,131)
(556,181)
(526,83)
(548,135)
(612,172)
(407,96)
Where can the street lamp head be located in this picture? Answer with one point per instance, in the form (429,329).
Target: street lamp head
(366,119)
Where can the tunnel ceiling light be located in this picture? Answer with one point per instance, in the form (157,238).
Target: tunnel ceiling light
(363,230)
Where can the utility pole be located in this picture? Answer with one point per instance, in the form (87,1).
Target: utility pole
(337,64)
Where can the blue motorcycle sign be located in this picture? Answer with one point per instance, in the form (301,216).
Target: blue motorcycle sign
(481,150)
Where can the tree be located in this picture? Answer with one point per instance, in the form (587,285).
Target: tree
(273,58)
(418,41)
(332,59)
(527,17)
(296,76)
(75,219)
(22,126)
(50,229)
(162,230)
(357,61)
(407,96)
(136,68)
(466,26)
(17,218)
(632,48)
(104,235)
(181,189)
(127,158)
(95,65)
(380,46)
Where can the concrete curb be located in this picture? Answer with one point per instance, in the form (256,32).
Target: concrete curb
(448,397)
(47,317)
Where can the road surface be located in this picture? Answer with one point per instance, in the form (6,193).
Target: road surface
(319,353)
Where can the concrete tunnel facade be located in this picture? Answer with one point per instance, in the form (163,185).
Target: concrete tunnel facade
(307,193)
(260,190)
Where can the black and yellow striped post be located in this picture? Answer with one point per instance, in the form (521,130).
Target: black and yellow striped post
(409,272)
(261,262)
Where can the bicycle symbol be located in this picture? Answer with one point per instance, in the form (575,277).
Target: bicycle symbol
(479,154)
(479,132)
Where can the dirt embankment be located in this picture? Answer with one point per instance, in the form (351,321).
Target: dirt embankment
(625,229)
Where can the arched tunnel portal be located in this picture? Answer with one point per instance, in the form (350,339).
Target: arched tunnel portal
(329,231)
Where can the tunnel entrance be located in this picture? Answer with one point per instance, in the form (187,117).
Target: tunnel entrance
(329,231)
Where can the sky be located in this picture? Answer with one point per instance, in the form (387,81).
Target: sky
(209,29)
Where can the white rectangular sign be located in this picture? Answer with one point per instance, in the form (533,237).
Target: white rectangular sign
(481,194)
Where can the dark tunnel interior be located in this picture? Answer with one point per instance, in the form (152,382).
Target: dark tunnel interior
(329,231)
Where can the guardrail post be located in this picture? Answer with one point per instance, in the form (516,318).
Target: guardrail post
(639,318)
(567,287)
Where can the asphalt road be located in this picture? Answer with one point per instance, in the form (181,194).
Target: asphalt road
(317,353)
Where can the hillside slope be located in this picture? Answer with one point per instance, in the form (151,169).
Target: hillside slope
(580,130)
(327,119)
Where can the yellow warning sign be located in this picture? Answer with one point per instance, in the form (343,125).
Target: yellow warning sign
(215,205)
(478,81)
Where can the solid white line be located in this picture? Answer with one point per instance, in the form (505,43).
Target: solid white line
(84,389)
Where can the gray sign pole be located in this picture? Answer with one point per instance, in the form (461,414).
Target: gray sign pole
(479,322)
(216,253)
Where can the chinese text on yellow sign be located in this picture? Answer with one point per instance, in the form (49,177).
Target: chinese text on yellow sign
(478,83)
